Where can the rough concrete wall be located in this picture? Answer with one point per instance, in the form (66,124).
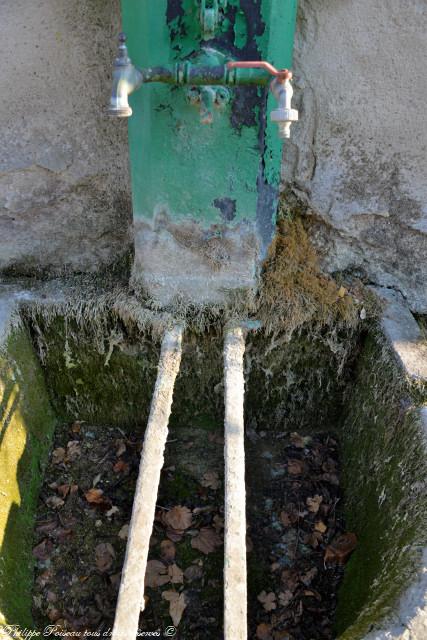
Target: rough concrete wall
(358,153)
(64,188)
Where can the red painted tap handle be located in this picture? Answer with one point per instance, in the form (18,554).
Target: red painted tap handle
(282,74)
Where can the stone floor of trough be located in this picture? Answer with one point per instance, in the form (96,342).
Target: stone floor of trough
(297,544)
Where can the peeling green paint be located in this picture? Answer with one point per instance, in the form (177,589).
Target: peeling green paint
(180,165)
(240,30)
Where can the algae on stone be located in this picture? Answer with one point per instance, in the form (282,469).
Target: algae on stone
(384,473)
(27,423)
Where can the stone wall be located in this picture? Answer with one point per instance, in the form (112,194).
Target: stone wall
(357,156)
(64,187)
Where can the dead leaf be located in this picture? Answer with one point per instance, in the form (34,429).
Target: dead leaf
(153,541)
(104,556)
(58,455)
(64,490)
(61,535)
(285,519)
(206,540)
(95,496)
(296,467)
(175,574)
(313,539)
(43,550)
(177,605)
(55,502)
(121,448)
(193,572)
(156,574)
(340,548)
(121,467)
(329,466)
(331,478)
(308,577)
(300,442)
(45,577)
(289,579)
(210,480)
(218,523)
(175,536)
(314,503)
(115,580)
(263,631)
(47,526)
(268,600)
(285,598)
(73,450)
(198,510)
(124,532)
(320,526)
(167,550)
(179,518)
(341,292)
(76,426)
(53,614)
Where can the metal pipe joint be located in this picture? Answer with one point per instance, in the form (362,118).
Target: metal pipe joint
(127,78)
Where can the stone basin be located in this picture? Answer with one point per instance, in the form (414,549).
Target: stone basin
(60,361)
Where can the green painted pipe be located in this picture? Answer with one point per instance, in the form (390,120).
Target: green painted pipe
(239,156)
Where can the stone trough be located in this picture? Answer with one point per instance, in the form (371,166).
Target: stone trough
(98,362)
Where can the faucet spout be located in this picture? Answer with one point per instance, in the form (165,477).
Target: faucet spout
(126,79)
(284,115)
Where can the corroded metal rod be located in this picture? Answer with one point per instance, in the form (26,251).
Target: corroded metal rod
(197,74)
(131,594)
(235,588)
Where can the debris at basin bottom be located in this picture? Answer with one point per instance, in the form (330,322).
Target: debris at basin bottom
(85,509)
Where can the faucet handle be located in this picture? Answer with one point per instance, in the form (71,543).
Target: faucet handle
(122,58)
(281,88)
(280,74)
(123,74)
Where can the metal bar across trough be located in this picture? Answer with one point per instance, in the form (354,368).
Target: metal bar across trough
(235,589)
(131,594)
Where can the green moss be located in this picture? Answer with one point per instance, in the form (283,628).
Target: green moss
(96,374)
(178,489)
(27,423)
(384,466)
(186,554)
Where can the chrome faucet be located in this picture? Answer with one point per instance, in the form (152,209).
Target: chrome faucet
(126,78)
(206,76)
